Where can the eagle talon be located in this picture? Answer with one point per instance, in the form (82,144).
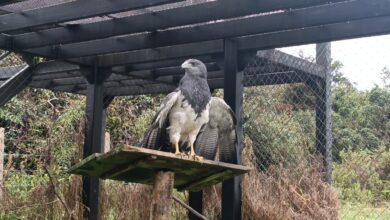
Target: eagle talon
(199,158)
(195,157)
(180,154)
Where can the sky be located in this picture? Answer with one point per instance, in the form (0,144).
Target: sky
(363,58)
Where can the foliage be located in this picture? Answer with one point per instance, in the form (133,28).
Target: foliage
(363,176)
(360,118)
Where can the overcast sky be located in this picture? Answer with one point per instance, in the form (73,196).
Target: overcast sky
(363,58)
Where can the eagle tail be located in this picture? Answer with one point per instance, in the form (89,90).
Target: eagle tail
(206,142)
(152,138)
(228,148)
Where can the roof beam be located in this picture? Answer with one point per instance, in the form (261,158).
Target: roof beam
(71,11)
(10,71)
(6,2)
(51,67)
(264,79)
(290,62)
(163,53)
(156,20)
(294,19)
(316,34)
(15,84)
(214,83)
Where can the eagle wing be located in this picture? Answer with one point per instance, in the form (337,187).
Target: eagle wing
(219,132)
(156,136)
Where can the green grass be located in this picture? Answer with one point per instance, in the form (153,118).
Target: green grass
(360,212)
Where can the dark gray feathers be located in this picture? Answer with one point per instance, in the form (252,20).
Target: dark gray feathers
(196,91)
(194,86)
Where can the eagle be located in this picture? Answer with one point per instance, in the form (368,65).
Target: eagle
(190,118)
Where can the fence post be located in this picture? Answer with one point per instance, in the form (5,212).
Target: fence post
(323,109)
(233,95)
(94,134)
(1,162)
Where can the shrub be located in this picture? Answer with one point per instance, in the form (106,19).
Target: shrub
(363,176)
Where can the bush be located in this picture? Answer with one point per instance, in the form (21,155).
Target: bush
(363,176)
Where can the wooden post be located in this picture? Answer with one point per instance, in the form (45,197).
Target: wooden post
(323,109)
(94,136)
(1,162)
(162,196)
(233,95)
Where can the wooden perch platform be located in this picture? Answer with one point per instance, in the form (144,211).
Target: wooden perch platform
(140,165)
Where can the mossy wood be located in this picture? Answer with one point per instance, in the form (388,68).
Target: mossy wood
(139,165)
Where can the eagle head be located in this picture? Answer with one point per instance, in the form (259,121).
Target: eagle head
(195,67)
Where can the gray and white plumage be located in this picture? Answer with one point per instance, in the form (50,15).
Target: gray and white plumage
(183,112)
(219,134)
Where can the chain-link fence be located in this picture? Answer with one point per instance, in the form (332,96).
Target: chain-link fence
(285,123)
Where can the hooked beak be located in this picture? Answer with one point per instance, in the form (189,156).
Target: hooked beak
(186,65)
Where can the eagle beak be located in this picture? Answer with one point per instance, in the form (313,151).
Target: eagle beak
(186,65)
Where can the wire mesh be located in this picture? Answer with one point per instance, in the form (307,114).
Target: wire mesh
(286,121)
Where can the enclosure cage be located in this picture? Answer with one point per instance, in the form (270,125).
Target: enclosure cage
(317,143)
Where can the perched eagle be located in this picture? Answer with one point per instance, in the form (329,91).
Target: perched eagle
(183,112)
(189,117)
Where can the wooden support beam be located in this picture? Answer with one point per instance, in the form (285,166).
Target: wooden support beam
(4,55)
(140,90)
(51,67)
(16,83)
(322,90)
(338,31)
(94,136)
(71,11)
(291,19)
(158,20)
(181,51)
(289,62)
(233,95)
(162,196)
(10,71)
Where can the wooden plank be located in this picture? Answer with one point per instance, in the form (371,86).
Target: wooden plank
(71,11)
(139,165)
